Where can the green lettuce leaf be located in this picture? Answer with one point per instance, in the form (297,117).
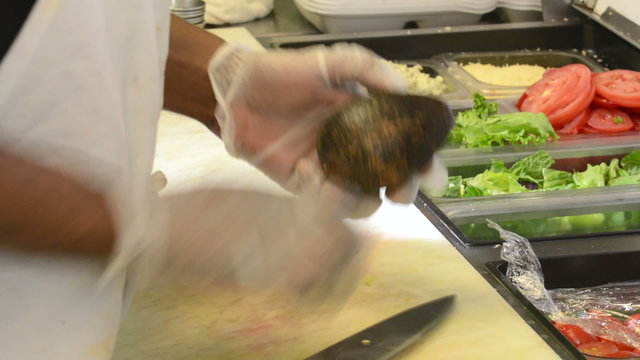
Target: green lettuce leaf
(492,183)
(530,168)
(631,162)
(455,188)
(594,176)
(557,180)
(471,191)
(498,166)
(482,107)
(482,127)
(615,171)
(625,180)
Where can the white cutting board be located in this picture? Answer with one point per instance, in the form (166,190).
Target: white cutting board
(196,325)
(413,263)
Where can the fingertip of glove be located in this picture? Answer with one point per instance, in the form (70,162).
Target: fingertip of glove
(393,79)
(406,193)
(435,180)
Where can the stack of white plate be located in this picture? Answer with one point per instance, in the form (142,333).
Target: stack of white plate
(370,15)
(520,10)
(524,5)
(190,10)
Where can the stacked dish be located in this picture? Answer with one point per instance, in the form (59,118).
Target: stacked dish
(335,16)
(519,10)
(533,5)
(190,10)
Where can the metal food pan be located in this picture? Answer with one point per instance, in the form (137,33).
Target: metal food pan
(538,216)
(455,63)
(568,145)
(574,271)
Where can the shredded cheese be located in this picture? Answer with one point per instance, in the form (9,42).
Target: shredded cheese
(507,75)
(419,83)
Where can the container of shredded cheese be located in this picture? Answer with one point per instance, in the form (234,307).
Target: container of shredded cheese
(429,78)
(508,74)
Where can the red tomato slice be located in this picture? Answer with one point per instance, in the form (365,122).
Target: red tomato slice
(575,125)
(562,94)
(603,102)
(577,106)
(622,346)
(521,100)
(599,348)
(545,94)
(622,87)
(624,354)
(575,334)
(609,120)
(586,129)
(635,117)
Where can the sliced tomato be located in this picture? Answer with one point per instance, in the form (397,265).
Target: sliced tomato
(603,102)
(622,87)
(635,118)
(609,120)
(599,348)
(624,354)
(545,95)
(521,100)
(576,334)
(575,125)
(622,346)
(577,106)
(562,94)
(586,129)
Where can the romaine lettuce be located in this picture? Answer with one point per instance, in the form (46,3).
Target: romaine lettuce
(536,169)
(482,127)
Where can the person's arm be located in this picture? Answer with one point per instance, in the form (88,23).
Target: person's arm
(187,89)
(43,210)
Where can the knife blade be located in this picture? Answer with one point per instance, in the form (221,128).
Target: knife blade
(389,337)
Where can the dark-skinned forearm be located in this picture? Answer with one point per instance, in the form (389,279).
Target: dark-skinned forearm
(44,210)
(187,89)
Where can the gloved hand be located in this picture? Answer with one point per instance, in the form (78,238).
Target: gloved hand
(256,241)
(271,105)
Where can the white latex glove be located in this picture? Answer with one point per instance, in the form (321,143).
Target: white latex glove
(271,105)
(256,241)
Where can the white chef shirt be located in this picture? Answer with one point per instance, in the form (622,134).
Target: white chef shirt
(81,90)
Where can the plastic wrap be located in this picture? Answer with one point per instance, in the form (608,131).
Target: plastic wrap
(604,311)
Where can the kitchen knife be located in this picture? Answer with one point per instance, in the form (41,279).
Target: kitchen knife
(389,337)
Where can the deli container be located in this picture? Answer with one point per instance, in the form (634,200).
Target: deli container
(572,271)
(454,93)
(455,63)
(541,215)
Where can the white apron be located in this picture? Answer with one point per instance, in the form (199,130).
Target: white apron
(81,90)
